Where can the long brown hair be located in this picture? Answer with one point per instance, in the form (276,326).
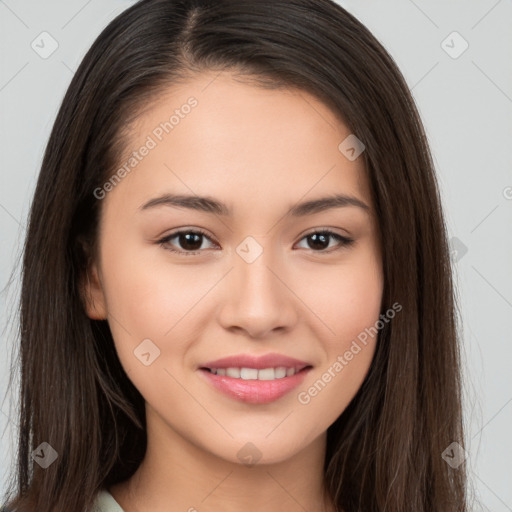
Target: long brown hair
(384,452)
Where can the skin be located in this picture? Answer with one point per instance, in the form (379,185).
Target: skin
(260,152)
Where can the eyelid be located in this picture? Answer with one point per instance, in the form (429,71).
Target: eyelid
(164,240)
(343,241)
(324,229)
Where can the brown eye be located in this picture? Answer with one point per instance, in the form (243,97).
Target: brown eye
(188,241)
(318,241)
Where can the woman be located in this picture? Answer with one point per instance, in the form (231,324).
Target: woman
(237,289)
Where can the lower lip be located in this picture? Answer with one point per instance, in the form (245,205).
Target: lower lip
(255,391)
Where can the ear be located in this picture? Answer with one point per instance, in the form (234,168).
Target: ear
(93,296)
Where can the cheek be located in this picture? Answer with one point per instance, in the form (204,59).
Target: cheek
(346,298)
(148,307)
(148,294)
(348,357)
(326,396)
(145,302)
(359,303)
(351,309)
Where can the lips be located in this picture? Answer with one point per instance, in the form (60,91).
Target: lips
(257,362)
(255,379)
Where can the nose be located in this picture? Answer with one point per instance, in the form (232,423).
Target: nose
(257,298)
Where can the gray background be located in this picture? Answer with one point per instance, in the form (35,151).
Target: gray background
(465,99)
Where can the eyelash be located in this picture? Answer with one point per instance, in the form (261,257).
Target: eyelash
(344,241)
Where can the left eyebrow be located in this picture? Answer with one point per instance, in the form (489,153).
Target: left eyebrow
(211,205)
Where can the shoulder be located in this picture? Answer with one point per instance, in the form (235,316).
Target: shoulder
(105,502)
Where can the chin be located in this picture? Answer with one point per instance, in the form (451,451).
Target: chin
(262,449)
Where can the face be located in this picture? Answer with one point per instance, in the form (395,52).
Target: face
(283,291)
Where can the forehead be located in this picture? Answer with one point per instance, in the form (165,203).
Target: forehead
(214,135)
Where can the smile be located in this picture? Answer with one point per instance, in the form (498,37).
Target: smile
(255,378)
(250,386)
(279,372)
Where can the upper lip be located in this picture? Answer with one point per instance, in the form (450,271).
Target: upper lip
(258,362)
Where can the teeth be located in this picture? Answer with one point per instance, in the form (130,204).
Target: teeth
(233,372)
(248,373)
(280,372)
(266,374)
(255,374)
